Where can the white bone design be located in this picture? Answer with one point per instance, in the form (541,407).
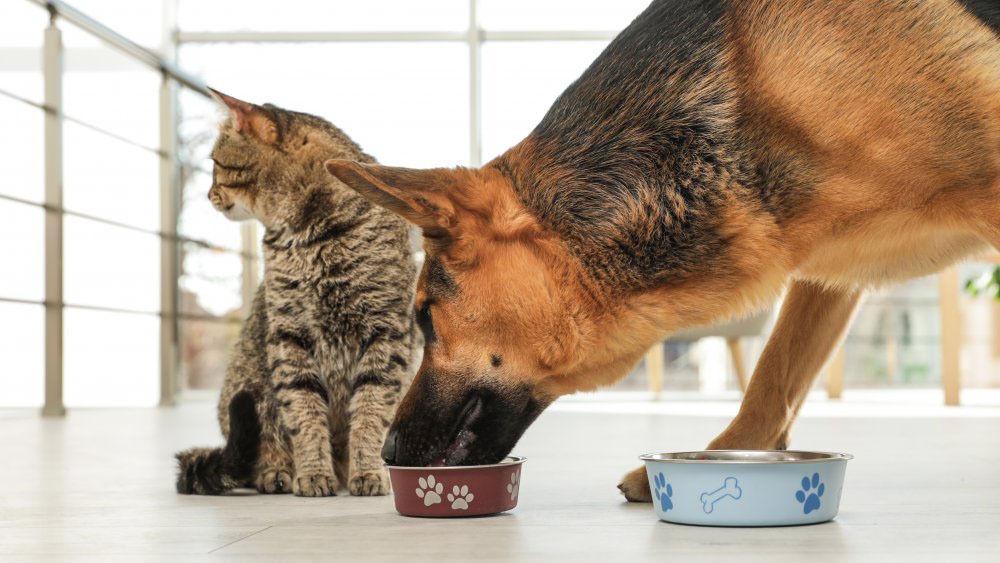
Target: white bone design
(731,488)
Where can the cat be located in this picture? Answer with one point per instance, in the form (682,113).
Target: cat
(325,354)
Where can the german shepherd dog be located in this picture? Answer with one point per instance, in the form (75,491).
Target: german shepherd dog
(715,154)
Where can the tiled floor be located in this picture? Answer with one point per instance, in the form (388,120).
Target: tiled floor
(98,486)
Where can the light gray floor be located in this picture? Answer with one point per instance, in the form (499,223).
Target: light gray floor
(97,486)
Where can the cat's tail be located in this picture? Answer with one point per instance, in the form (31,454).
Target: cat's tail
(213,471)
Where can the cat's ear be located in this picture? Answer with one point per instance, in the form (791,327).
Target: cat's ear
(422,197)
(249,118)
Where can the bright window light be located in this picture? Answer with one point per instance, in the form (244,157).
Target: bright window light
(520,82)
(558,15)
(107,178)
(313,15)
(123,100)
(108,266)
(139,20)
(22,274)
(21,347)
(21,177)
(111,359)
(406,104)
(22,24)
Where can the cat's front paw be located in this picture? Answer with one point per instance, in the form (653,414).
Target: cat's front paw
(369,484)
(316,485)
(274,481)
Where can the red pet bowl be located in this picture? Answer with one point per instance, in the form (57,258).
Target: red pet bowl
(464,490)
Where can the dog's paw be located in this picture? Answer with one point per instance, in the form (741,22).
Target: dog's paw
(635,486)
(782,443)
(315,485)
(368,484)
(274,481)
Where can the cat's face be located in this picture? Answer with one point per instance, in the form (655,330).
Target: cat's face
(265,161)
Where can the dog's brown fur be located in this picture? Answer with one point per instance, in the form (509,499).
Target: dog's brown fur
(715,153)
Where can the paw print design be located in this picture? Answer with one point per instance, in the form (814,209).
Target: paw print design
(810,493)
(429,490)
(663,491)
(513,486)
(460,498)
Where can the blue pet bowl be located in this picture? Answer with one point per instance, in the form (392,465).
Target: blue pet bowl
(746,487)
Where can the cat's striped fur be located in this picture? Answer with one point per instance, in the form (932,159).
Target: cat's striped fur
(326,352)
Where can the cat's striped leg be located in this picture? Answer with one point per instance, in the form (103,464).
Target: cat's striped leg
(377,387)
(275,466)
(303,404)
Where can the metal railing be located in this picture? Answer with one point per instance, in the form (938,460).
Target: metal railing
(131,49)
(172,77)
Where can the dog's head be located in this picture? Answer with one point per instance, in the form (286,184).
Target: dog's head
(499,302)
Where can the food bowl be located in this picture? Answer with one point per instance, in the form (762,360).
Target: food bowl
(458,491)
(746,487)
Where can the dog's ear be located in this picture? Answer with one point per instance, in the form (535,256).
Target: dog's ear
(249,118)
(422,197)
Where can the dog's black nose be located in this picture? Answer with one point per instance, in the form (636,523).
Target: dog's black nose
(389,448)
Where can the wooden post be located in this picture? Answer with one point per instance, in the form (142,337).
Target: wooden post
(654,368)
(736,351)
(52,67)
(951,335)
(835,374)
(169,252)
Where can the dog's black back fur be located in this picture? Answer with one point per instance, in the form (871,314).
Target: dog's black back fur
(638,144)
(988,11)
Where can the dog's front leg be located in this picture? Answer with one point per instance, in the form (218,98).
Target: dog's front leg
(812,321)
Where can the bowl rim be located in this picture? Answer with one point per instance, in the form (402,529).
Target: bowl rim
(747,457)
(508,461)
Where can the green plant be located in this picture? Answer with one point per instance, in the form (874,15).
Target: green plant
(988,282)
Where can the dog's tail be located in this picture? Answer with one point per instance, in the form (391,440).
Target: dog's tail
(213,471)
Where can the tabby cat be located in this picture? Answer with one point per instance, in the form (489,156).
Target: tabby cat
(325,354)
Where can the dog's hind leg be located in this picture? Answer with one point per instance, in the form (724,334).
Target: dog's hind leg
(812,322)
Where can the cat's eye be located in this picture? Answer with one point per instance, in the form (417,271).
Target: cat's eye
(305,140)
(425,322)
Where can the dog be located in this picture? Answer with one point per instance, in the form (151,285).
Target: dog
(716,154)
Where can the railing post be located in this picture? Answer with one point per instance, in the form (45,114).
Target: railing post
(52,69)
(951,336)
(475,41)
(248,233)
(835,372)
(169,259)
(654,369)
